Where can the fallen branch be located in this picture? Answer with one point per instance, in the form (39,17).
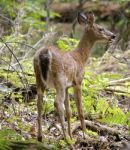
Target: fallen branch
(118,84)
(20,145)
(97,127)
(119,81)
(117,91)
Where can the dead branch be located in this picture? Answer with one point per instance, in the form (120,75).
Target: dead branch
(117,91)
(11,22)
(11,71)
(15,59)
(22,81)
(29,145)
(119,81)
(118,84)
(97,127)
(47,39)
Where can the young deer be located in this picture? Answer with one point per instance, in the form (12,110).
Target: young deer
(62,70)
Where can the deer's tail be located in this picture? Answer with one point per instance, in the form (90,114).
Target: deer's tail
(41,65)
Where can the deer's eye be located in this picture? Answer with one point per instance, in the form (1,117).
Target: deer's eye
(101,29)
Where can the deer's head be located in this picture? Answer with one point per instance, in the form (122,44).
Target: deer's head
(95,31)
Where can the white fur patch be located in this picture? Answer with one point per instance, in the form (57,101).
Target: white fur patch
(50,59)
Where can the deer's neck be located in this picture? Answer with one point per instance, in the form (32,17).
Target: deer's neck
(85,45)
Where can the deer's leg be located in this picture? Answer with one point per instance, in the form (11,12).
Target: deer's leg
(59,104)
(40,90)
(78,96)
(68,112)
(39,108)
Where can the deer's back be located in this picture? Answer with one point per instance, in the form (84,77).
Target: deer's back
(58,68)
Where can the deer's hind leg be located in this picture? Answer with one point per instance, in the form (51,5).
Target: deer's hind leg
(68,112)
(40,90)
(59,104)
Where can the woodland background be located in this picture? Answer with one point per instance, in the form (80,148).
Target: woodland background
(27,25)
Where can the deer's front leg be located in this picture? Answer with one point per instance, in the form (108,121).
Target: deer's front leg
(59,104)
(39,108)
(68,112)
(78,96)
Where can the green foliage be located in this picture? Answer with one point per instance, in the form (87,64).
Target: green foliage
(4,135)
(15,78)
(19,125)
(115,115)
(91,133)
(66,44)
(26,21)
(11,76)
(62,144)
(97,105)
(49,102)
(9,134)
(32,16)
(29,14)
(7,7)
(31,27)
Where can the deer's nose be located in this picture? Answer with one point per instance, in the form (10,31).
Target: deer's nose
(113,36)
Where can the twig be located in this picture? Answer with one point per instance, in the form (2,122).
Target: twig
(9,20)
(15,71)
(117,91)
(15,58)
(29,74)
(45,40)
(118,84)
(23,59)
(9,68)
(23,44)
(119,81)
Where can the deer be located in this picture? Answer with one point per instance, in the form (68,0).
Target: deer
(61,70)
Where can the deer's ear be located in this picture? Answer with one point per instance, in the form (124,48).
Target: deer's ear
(82,19)
(91,18)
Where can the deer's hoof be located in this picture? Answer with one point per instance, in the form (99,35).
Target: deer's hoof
(39,138)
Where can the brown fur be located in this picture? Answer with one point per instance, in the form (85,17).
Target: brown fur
(64,70)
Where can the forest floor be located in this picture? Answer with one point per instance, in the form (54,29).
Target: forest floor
(18,119)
